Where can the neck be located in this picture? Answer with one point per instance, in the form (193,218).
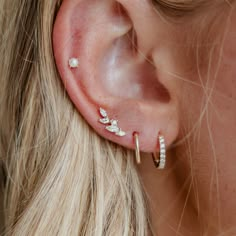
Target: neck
(171,197)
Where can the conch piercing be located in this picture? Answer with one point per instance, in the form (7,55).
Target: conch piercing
(112,125)
(137,150)
(161,161)
(73,62)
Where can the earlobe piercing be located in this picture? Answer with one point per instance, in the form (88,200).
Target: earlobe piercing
(137,150)
(161,161)
(112,125)
(73,62)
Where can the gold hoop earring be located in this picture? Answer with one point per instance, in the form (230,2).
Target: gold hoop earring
(160,161)
(137,150)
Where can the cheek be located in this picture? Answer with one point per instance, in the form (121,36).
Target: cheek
(226,80)
(213,143)
(216,154)
(223,126)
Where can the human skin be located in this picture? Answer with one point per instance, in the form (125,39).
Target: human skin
(195,194)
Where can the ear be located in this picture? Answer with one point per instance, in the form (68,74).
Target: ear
(116,46)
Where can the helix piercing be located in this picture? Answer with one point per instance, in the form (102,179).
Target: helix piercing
(137,150)
(161,161)
(112,125)
(73,62)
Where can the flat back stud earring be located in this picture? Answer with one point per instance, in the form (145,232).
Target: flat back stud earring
(73,62)
(137,150)
(160,161)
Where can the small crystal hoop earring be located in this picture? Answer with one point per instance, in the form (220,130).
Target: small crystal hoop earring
(137,150)
(161,161)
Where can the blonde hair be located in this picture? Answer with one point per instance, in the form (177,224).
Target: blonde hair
(62,179)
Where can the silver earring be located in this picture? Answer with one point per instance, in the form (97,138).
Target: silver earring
(161,161)
(112,125)
(73,62)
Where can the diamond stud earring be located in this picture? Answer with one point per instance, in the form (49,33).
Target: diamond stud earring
(112,125)
(73,62)
(161,161)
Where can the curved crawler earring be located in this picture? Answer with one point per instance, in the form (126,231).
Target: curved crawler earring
(137,150)
(160,161)
(111,125)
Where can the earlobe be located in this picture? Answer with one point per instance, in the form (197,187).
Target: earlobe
(114,87)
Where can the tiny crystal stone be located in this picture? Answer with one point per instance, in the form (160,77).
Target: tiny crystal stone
(121,133)
(113,129)
(114,122)
(105,120)
(162,146)
(74,63)
(103,113)
(163,151)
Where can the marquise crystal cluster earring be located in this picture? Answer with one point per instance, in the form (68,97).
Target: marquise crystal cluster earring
(111,124)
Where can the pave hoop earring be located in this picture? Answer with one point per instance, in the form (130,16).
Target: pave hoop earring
(137,150)
(159,159)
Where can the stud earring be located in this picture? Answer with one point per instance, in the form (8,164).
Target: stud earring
(137,150)
(112,125)
(73,62)
(161,161)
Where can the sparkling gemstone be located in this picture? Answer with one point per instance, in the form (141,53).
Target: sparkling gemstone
(105,120)
(103,112)
(114,122)
(113,129)
(120,133)
(162,161)
(162,146)
(161,166)
(163,151)
(163,157)
(73,63)
(162,141)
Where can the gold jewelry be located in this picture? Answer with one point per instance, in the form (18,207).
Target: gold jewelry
(160,161)
(137,150)
(111,125)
